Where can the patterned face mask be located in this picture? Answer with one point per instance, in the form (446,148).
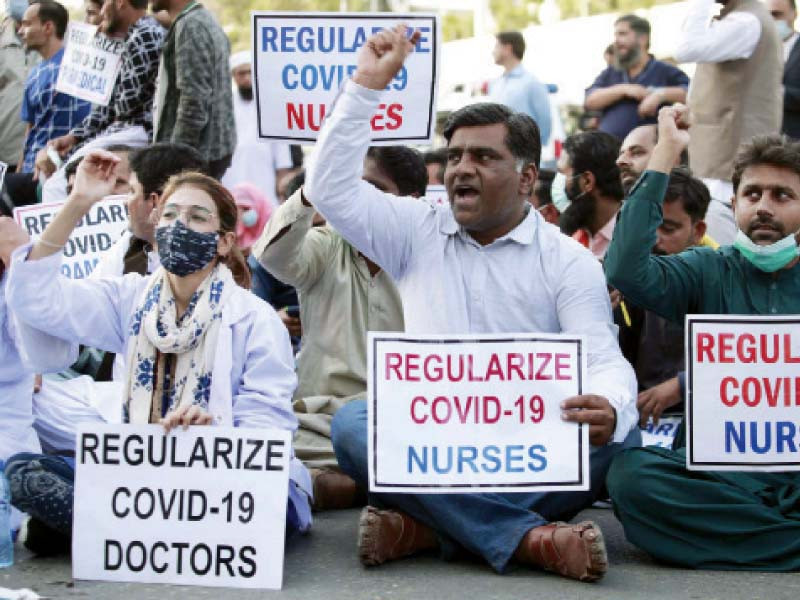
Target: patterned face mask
(184,251)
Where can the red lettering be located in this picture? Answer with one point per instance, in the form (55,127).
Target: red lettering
(754,398)
(463,411)
(414,417)
(546,356)
(396,118)
(705,344)
(494,368)
(772,393)
(514,362)
(493,401)
(471,374)
(294,113)
(412,367)
(787,349)
(438,401)
(560,366)
(377,117)
(723,393)
(726,347)
(426,368)
(393,366)
(747,355)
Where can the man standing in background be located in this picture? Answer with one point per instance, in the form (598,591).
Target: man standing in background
(517,88)
(785,13)
(255,161)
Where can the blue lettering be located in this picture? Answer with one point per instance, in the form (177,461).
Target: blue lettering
(305,39)
(536,454)
(491,454)
(786,431)
(754,438)
(413,457)
(514,454)
(268,35)
(738,439)
(287,41)
(448,465)
(467,454)
(285,77)
(421,47)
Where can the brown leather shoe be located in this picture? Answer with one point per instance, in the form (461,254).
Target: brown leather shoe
(334,490)
(576,551)
(388,535)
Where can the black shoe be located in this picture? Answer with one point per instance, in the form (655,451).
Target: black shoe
(45,541)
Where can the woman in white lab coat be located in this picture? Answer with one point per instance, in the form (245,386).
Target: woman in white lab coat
(200,348)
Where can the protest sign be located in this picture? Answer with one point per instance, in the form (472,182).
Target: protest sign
(94,234)
(437,194)
(206,506)
(475,413)
(663,434)
(90,64)
(743,393)
(301,60)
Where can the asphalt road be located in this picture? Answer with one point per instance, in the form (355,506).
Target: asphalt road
(324,566)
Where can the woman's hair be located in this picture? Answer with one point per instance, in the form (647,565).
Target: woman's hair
(228,215)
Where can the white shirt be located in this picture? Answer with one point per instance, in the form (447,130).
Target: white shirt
(254,160)
(788,44)
(112,261)
(704,40)
(533,279)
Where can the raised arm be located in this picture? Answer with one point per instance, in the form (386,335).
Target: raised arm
(667,285)
(290,249)
(379,225)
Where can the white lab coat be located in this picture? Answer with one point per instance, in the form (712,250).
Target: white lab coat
(253,376)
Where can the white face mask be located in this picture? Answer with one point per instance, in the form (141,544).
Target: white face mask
(785,31)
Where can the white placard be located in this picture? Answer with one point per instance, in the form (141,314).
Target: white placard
(206,506)
(743,393)
(90,64)
(663,434)
(95,233)
(3,169)
(300,61)
(475,413)
(437,194)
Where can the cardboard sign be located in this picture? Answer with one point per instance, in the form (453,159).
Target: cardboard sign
(437,194)
(90,65)
(479,413)
(95,233)
(206,506)
(743,393)
(301,60)
(663,434)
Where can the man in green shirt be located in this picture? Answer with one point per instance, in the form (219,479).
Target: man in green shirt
(712,520)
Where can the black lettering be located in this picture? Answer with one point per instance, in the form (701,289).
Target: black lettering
(166,510)
(199,453)
(136,567)
(191,515)
(117,513)
(137,506)
(248,464)
(249,561)
(160,461)
(110,565)
(220,453)
(138,454)
(109,448)
(116,213)
(274,455)
(173,461)
(225,560)
(153,565)
(207,567)
(180,547)
(89,443)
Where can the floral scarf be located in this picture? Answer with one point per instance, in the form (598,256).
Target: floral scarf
(192,340)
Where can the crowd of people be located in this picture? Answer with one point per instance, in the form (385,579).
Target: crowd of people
(244,289)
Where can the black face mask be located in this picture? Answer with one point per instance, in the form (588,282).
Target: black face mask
(183,251)
(246,93)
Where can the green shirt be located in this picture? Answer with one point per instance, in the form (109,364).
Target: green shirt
(697,281)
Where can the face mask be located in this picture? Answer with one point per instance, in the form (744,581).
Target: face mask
(16,8)
(558,192)
(784,30)
(767,258)
(183,251)
(250,217)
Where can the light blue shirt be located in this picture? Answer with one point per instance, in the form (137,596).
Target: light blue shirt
(522,92)
(533,279)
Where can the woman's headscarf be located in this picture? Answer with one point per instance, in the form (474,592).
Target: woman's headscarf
(257,210)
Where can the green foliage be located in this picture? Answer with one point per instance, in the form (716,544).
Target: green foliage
(512,15)
(457,26)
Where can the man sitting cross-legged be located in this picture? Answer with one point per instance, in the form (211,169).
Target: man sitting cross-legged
(485,264)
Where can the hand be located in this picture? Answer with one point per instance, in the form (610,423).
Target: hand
(37,384)
(594,410)
(43,165)
(616,297)
(635,91)
(649,106)
(653,402)
(63,144)
(292,323)
(673,125)
(381,57)
(95,178)
(186,415)
(12,236)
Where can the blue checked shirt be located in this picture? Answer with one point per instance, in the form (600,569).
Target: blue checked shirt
(51,114)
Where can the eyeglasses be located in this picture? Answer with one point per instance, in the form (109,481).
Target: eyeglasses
(199,215)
